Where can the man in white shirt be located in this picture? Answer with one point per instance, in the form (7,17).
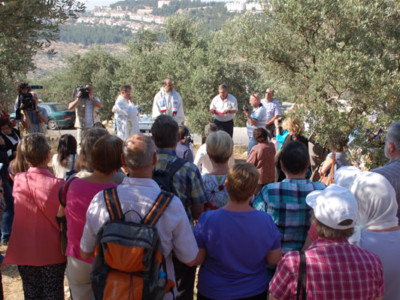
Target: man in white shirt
(137,194)
(273,110)
(125,114)
(168,102)
(86,111)
(224,108)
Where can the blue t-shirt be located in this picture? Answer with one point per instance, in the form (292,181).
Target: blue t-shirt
(237,245)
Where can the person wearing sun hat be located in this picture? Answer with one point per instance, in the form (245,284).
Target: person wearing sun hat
(335,269)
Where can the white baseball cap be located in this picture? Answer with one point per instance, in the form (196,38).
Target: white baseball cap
(333,205)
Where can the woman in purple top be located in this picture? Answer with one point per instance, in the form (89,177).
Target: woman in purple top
(78,197)
(237,242)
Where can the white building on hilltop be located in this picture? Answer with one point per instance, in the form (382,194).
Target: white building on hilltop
(236,6)
(161,3)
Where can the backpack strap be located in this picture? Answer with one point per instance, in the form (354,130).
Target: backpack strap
(170,170)
(161,203)
(113,205)
(62,194)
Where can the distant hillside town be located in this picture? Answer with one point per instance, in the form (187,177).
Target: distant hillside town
(146,17)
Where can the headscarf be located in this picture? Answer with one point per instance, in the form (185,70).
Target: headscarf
(377,205)
(345,176)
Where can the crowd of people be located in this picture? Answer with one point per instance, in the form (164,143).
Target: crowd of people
(260,228)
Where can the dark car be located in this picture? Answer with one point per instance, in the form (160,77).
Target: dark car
(59,115)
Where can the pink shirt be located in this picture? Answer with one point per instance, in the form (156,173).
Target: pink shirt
(35,238)
(79,195)
(335,270)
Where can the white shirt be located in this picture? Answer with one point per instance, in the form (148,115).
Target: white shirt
(139,194)
(220,105)
(203,162)
(258,114)
(59,170)
(126,118)
(170,104)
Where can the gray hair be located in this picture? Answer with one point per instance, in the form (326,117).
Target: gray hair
(210,127)
(222,86)
(393,135)
(138,151)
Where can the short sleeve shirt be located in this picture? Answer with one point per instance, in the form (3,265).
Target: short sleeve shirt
(335,270)
(272,108)
(258,114)
(220,105)
(237,245)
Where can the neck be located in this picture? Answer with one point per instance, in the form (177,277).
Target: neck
(238,206)
(395,155)
(144,172)
(296,176)
(219,168)
(385,230)
(41,166)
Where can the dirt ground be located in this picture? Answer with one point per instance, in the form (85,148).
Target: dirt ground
(12,284)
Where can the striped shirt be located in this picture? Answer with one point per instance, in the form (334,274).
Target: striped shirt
(187,180)
(335,270)
(286,203)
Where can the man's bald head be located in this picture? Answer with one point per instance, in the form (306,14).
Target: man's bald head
(139,151)
(167,85)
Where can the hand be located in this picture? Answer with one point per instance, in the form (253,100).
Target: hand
(1,141)
(212,111)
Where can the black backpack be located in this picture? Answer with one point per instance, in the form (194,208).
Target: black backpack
(164,178)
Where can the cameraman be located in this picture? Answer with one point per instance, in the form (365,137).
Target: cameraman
(86,110)
(27,109)
(255,118)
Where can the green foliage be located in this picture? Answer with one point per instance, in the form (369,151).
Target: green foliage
(97,67)
(338,60)
(196,63)
(88,34)
(26,27)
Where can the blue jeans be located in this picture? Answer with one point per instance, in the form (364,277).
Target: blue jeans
(8,215)
(252,143)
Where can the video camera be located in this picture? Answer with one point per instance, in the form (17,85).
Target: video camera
(245,108)
(84,90)
(26,101)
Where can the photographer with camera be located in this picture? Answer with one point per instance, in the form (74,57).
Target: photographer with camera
(86,110)
(255,118)
(27,111)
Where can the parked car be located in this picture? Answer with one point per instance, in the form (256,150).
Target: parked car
(145,123)
(59,115)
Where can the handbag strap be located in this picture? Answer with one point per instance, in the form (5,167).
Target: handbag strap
(302,277)
(37,204)
(62,194)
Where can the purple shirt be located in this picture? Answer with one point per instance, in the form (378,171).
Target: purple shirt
(237,245)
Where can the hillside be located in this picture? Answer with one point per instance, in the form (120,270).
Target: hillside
(46,64)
